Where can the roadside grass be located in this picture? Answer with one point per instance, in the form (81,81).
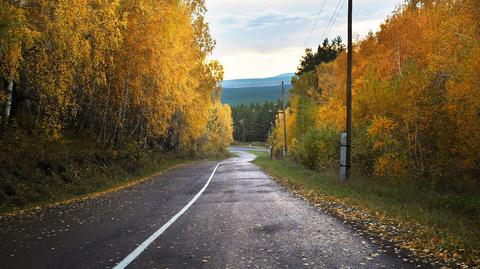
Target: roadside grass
(37,173)
(436,226)
(46,191)
(250,144)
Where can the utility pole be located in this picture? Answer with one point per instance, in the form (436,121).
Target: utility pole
(277,113)
(348,164)
(284,123)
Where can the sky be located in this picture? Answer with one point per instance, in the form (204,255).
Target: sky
(264,38)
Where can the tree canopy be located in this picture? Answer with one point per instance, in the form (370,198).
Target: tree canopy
(415,106)
(326,52)
(120,71)
(253,122)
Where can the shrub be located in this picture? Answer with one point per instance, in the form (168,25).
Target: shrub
(318,148)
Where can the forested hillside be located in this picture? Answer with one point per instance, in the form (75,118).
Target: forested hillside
(256,90)
(416,111)
(258,82)
(86,83)
(252,95)
(253,122)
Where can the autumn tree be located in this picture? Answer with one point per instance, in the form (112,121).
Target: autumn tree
(415,109)
(15,36)
(120,72)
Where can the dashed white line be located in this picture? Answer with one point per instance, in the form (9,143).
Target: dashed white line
(132,256)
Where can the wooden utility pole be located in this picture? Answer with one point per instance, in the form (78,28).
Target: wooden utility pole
(284,123)
(349,93)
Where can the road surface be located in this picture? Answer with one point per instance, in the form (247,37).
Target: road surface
(242,219)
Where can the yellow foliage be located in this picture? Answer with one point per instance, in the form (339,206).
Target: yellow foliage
(389,165)
(382,131)
(415,89)
(14,35)
(219,131)
(332,115)
(132,71)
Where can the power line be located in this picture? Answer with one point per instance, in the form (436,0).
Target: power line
(334,20)
(335,14)
(315,24)
(331,19)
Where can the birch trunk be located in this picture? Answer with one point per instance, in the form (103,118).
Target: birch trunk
(8,105)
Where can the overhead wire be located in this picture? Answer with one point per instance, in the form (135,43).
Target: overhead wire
(315,24)
(331,19)
(334,20)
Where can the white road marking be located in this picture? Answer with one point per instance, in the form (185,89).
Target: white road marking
(132,256)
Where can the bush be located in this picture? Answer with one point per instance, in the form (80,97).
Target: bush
(318,148)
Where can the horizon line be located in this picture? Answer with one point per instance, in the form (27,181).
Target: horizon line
(247,78)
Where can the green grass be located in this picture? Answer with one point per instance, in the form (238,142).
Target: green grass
(260,154)
(45,190)
(38,172)
(442,216)
(250,144)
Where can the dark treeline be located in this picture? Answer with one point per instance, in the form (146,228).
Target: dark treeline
(252,122)
(327,52)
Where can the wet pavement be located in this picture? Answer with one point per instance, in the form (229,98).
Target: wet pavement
(244,219)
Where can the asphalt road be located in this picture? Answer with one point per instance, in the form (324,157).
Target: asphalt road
(243,219)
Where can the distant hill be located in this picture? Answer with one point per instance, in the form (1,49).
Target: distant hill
(258,82)
(257,90)
(247,95)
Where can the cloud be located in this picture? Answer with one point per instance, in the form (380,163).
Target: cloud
(251,63)
(257,38)
(256,21)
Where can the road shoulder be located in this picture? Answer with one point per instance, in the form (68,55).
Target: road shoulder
(408,238)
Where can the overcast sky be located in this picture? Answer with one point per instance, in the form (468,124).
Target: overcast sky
(262,38)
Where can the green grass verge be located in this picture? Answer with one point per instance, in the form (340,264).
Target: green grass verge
(34,195)
(435,224)
(250,144)
(36,172)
